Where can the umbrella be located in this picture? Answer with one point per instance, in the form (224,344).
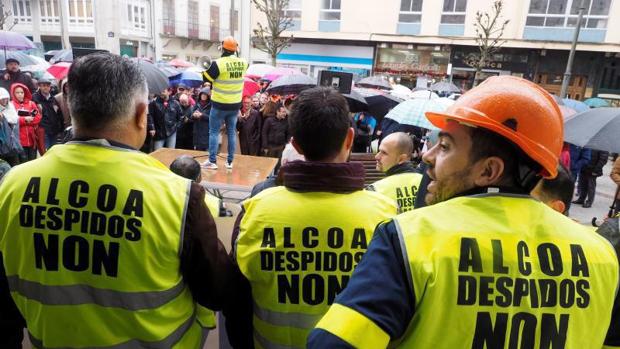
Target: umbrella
(596,102)
(155,78)
(250,87)
(357,102)
(578,106)
(567,113)
(180,63)
(375,82)
(14,41)
(445,86)
(424,94)
(189,78)
(168,69)
(401,91)
(24,59)
(558,100)
(412,111)
(379,101)
(278,72)
(257,71)
(62,56)
(291,84)
(595,129)
(59,70)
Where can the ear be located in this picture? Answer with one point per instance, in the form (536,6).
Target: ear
(140,118)
(488,172)
(557,205)
(296,146)
(402,158)
(348,141)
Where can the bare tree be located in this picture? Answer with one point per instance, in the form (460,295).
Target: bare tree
(268,38)
(489,31)
(4,18)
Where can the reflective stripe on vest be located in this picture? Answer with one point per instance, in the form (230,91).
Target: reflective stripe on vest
(331,232)
(228,86)
(99,232)
(402,188)
(506,270)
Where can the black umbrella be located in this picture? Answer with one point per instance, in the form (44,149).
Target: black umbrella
(291,84)
(379,102)
(155,78)
(375,82)
(357,102)
(595,129)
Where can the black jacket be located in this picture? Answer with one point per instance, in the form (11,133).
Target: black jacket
(166,117)
(19,77)
(275,133)
(52,119)
(201,125)
(597,162)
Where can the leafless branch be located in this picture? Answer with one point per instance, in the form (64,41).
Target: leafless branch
(489,31)
(269,37)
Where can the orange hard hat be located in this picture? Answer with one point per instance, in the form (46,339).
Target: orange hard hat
(230,44)
(516,109)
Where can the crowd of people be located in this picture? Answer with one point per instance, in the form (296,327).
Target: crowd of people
(104,240)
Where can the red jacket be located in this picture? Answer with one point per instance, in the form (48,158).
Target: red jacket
(27,130)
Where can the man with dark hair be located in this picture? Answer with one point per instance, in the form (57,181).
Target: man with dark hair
(556,193)
(402,181)
(320,220)
(123,248)
(52,118)
(12,74)
(484,265)
(226,74)
(187,167)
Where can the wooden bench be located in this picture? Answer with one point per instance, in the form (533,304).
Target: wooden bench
(369,162)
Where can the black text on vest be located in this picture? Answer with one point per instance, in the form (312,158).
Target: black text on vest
(311,266)
(486,280)
(235,69)
(405,197)
(80,231)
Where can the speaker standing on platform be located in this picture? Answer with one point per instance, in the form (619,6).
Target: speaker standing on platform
(226,75)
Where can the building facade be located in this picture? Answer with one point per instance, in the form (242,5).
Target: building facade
(155,29)
(418,41)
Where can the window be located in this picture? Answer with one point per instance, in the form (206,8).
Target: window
(293,10)
(50,12)
(410,11)
(81,12)
(235,20)
(453,11)
(21,11)
(192,19)
(564,13)
(137,15)
(330,10)
(215,23)
(168,17)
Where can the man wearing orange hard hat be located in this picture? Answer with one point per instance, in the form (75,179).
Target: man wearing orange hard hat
(486,265)
(226,76)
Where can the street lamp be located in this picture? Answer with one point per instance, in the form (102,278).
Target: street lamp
(571,56)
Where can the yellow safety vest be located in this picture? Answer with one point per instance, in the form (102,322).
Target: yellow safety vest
(213,204)
(402,188)
(91,237)
(228,86)
(494,271)
(299,255)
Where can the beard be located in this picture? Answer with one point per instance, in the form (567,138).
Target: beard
(448,187)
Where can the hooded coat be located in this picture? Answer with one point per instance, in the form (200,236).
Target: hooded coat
(64,105)
(201,125)
(27,130)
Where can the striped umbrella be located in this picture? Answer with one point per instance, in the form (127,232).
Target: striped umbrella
(412,111)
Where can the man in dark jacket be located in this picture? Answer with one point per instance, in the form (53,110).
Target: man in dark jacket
(200,116)
(166,114)
(275,134)
(185,137)
(587,178)
(249,126)
(579,157)
(52,118)
(12,74)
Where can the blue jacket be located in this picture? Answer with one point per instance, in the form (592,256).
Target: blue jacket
(579,157)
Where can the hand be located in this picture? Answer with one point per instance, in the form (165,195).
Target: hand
(29,119)
(197,114)
(7,76)
(152,133)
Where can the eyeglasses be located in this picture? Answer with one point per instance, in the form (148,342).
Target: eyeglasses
(180,89)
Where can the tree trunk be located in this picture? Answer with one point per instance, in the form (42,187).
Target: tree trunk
(477,77)
(273,60)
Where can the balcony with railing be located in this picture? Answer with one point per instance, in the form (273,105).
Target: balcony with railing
(182,29)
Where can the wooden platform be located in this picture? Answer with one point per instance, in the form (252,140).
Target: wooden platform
(369,162)
(247,170)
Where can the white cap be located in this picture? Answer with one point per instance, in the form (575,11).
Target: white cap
(4,93)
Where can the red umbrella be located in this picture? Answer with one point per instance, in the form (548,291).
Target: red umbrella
(59,70)
(250,87)
(179,63)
